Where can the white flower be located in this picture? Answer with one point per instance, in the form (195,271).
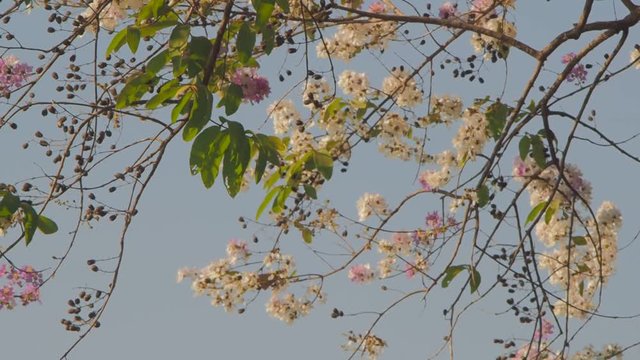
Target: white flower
(402,87)
(635,56)
(284,114)
(370,204)
(353,83)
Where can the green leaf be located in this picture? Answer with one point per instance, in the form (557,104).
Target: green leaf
(245,42)
(532,106)
(133,38)
(264,9)
(117,41)
(324,163)
(179,36)
(232,99)
(181,107)
(579,240)
(267,200)
(333,108)
(150,30)
(581,288)
(268,39)
(583,268)
(281,199)
(474,279)
(199,48)
(537,151)
(236,158)
(46,225)
(535,211)
(310,191)
(207,152)
(451,273)
(135,89)
(524,146)
(9,204)
(167,91)
(284,5)
(497,118)
(151,9)
(29,222)
(307,235)
(200,113)
(157,62)
(551,211)
(483,195)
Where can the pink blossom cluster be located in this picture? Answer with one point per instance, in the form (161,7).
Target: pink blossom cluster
(447,10)
(377,7)
(361,273)
(254,87)
(13,73)
(545,331)
(578,73)
(19,283)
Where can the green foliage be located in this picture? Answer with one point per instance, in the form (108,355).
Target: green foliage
(264,9)
(133,38)
(497,117)
(200,113)
(483,195)
(232,99)
(533,214)
(246,41)
(30,220)
(452,271)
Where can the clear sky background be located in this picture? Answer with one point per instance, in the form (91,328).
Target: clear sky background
(182,224)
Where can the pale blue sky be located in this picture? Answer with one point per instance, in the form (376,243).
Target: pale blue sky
(182,224)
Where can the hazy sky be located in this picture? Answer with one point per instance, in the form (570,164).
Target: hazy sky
(182,224)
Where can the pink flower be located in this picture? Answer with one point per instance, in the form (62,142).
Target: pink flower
(377,7)
(447,10)
(410,271)
(520,169)
(254,87)
(578,73)
(434,220)
(545,332)
(13,73)
(6,297)
(30,293)
(361,273)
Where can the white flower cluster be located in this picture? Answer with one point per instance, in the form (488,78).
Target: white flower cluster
(354,84)
(301,142)
(284,114)
(370,204)
(402,87)
(110,14)
(391,141)
(472,135)
(351,39)
(611,351)
(540,189)
(315,93)
(445,109)
(489,45)
(369,345)
(228,287)
(635,56)
(580,265)
(401,247)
